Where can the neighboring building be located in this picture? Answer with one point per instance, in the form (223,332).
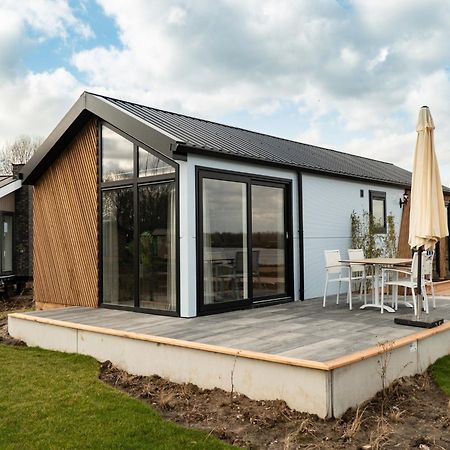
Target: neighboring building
(16,230)
(141,209)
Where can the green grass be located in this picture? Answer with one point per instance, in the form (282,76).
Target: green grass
(54,400)
(441,373)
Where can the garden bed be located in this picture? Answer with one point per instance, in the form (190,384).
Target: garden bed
(412,413)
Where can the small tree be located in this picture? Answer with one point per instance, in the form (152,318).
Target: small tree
(18,152)
(364,236)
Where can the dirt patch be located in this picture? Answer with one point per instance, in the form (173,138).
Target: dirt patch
(411,414)
(23,302)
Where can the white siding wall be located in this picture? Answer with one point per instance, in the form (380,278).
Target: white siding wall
(188,263)
(327,206)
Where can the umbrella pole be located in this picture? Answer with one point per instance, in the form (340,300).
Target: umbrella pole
(415,321)
(419,283)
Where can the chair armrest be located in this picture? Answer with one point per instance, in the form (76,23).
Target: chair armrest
(396,271)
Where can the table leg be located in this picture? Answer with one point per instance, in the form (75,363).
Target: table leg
(377,303)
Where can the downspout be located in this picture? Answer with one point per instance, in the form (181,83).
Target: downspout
(300,235)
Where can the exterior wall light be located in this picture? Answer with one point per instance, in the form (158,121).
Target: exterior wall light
(404,200)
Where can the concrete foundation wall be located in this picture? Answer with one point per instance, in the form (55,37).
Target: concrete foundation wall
(325,389)
(302,388)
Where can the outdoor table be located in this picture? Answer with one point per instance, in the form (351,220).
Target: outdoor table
(378,264)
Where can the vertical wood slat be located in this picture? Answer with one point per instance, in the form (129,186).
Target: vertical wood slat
(404,250)
(65,202)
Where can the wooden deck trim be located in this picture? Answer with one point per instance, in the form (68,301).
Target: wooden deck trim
(385,347)
(305,363)
(177,342)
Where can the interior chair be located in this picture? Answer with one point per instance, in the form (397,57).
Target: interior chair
(336,272)
(238,266)
(406,278)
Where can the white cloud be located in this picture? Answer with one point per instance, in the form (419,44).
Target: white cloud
(369,67)
(49,17)
(36,103)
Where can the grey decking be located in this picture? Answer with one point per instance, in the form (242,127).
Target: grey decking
(299,330)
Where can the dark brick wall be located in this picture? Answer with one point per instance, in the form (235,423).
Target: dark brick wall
(23,229)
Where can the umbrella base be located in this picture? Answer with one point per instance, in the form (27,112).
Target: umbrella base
(422,322)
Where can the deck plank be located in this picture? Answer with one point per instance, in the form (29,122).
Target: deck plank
(300,329)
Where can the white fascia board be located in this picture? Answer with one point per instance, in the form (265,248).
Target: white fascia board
(11,187)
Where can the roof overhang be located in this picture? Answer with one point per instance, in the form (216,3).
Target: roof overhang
(10,187)
(86,107)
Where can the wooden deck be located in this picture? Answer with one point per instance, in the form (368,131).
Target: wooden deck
(319,360)
(302,330)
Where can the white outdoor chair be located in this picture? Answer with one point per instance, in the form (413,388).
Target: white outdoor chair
(407,278)
(334,274)
(428,273)
(358,271)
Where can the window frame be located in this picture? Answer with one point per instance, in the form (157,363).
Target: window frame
(250,179)
(378,195)
(134,183)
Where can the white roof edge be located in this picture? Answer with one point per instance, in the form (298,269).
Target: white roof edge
(10,187)
(155,127)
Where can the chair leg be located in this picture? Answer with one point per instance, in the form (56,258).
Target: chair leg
(414,300)
(365,290)
(349,295)
(382,296)
(325,292)
(432,295)
(425,301)
(338,293)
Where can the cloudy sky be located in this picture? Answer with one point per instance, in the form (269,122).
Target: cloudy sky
(345,74)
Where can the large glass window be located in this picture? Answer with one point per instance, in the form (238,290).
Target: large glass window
(118,246)
(268,240)
(138,225)
(150,165)
(225,261)
(117,156)
(157,257)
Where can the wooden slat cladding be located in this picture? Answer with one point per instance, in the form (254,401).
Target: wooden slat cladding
(404,250)
(65,225)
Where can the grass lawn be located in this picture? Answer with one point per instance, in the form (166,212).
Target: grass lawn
(54,400)
(441,373)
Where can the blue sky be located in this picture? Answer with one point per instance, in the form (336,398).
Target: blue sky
(348,74)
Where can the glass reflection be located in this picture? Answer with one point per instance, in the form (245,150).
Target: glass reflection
(150,165)
(157,255)
(7,244)
(268,241)
(117,156)
(118,246)
(225,262)
(378,213)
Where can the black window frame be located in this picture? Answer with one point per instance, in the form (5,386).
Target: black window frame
(8,273)
(135,183)
(378,195)
(249,179)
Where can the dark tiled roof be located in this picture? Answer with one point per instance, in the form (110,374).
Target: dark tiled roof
(214,137)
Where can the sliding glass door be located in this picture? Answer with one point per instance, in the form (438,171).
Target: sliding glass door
(225,241)
(244,240)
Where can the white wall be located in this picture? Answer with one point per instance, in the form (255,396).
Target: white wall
(188,291)
(327,206)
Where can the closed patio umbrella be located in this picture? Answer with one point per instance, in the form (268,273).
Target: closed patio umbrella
(427,218)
